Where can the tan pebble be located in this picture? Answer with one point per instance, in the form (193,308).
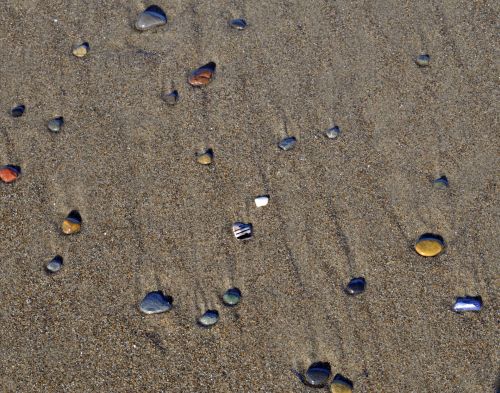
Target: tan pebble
(69,227)
(206,157)
(81,50)
(429,245)
(340,387)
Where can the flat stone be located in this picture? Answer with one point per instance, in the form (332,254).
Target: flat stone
(341,384)
(170,98)
(203,75)
(238,23)
(468,303)
(423,60)
(151,17)
(209,318)
(429,245)
(81,50)
(231,297)
(56,124)
(206,157)
(55,264)
(155,303)
(333,132)
(262,200)
(356,286)
(318,374)
(242,231)
(441,183)
(17,111)
(9,173)
(72,223)
(287,143)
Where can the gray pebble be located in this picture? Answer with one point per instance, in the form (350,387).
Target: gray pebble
(170,98)
(17,111)
(238,23)
(468,303)
(287,143)
(55,264)
(441,183)
(333,132)
(56,124)
(356,286)
(156,302)
(423,60)
(151,17)
(209,318)
(318,374)
(232,297)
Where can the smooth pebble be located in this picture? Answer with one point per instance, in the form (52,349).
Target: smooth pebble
(156,302)
(262,200)
(341,384)
(232,297)
(17,111)
(242,231)
(206,157)
(170,98)
(423,60)
(333,132)
(151,17)
(56,124)
(81,50)
(55,264)
(318,374)
(356,286)
(203,75)
(209,318)
(287,143)
(238,23)
(440,183)
(468,303)
(429,245)
(72,223)
(9,173)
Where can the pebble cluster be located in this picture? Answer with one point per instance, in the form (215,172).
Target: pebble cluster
(156,302)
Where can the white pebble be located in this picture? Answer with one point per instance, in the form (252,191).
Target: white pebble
(262,200)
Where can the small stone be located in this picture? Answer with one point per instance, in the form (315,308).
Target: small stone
(55,264)
(232,297)
(242,231)
(333,132)
(155,303)
(17,111)
(356,286)
(341,384)
(468,303)
(81,50)
(9,173)
(150,18)
(209,318)
(262,200)
(206,157)
(203,75)
(423,60)
(170,98)
(72,223)
(429,245)
(55,124)
(441,183)
(287,143)
(318,374)
(238,23)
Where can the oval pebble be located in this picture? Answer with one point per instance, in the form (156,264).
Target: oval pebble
(151,17)
(238,23)
(81,50)
(232,297)
(429,245)
(318,374)
(468,303)
(341,384)
(242,231)
(440,183)
(209,318)
(287,143)
(17,111)
(356,286)
(72,223)
(423,60)
(206,157)
(261,200)
(56,124)
(9,173)
(170,98)
(155,303)
(55,264)
(202,75)
(333,132)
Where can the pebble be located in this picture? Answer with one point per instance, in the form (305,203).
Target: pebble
(171,98)
(206,157)
(356,286)
(9,173)
(318,374)
(262,200)
(429,245)
(423,60)
(203,75)
(238,23)
(81,50)
(72,223)
(468,303)
(209,318)
(341,384)
(55,264)
(333,132)
(17,111)
(287,143)
(242,231)
(56,124)
(232,297)
(155,303)
(150,18)
(441,183)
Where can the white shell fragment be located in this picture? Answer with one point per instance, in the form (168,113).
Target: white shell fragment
(262,200)
(242,231)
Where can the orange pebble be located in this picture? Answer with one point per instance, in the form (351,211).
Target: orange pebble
(203,75)
(9,173)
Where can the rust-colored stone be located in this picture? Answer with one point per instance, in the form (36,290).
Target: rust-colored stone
(8,173)
(203,75)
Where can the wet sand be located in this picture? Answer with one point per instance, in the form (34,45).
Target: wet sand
(155,219)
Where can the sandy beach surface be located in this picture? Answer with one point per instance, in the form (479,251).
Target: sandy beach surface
(154,219)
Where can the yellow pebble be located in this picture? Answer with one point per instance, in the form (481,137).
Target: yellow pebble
(340,387)
(429,245)
(206,157)
(69,227)
(81,50)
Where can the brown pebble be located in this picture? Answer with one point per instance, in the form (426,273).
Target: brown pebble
(203,75)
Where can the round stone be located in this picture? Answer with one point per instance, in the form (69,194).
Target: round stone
(318,374)
(232,297)
(238,23)
(441,183)
(206,157)
(429,245)
(341,384)
(155,303)
(72,223)
(203,75)
(150,18)
(356,286)
(209,318)
(55,264)
(287,143)
(170,98)
(56,124)
(17,111)
(423,60)
(81,50)
(9,173)
(333,132)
